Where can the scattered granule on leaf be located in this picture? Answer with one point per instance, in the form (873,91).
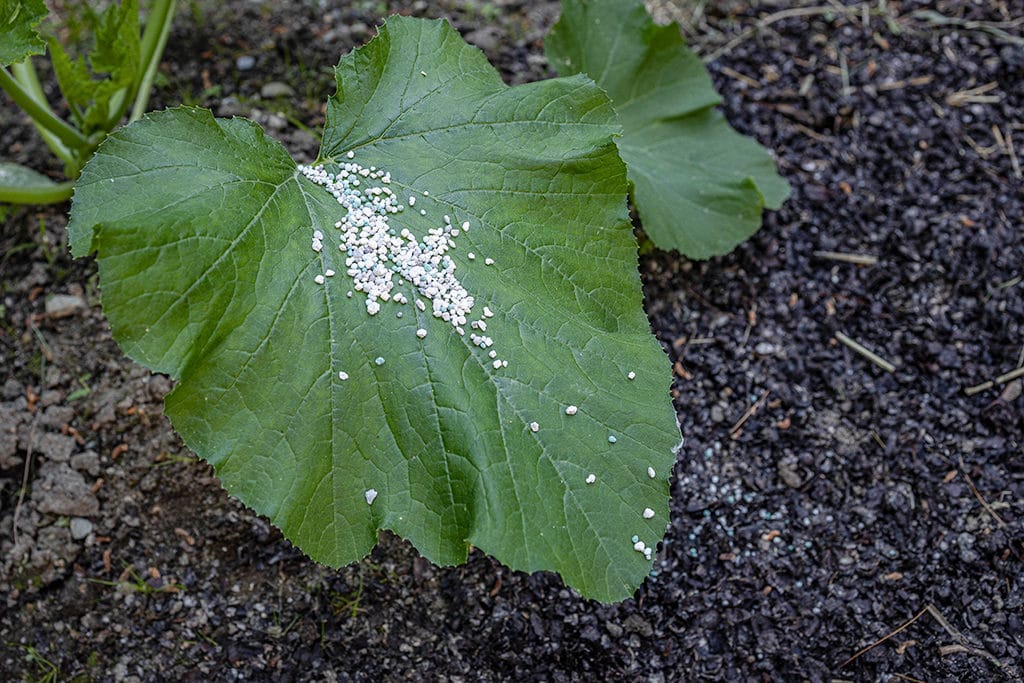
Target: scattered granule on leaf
(375,256)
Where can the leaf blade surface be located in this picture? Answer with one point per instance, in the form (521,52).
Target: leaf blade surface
(18,37)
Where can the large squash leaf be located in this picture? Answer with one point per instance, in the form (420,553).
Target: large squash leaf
(216,258)
(18,36)
(698,185)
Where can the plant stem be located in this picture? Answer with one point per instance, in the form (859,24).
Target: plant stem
(26,75)
(42,116)
(154,40)
(56,194)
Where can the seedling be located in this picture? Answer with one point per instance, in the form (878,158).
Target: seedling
(434,328)
(125,66)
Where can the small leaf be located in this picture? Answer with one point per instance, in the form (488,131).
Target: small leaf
(18,36)
(336,423)
(16,175)
(112,65)
(698,186)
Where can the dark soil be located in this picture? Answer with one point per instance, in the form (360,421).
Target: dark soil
(852,502)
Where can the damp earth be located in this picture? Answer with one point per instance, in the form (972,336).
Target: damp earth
(831,519)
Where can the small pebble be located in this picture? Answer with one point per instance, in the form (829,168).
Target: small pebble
(62,305)
(379,360)
(639,546)
(571,410)
(471,256)
(80,528)
(488,262)
(329,273)
(631,375)
(421,333)
(319,279)
(275,89)
(651,473)
(648,513)
(343,376)
(612,439)
(534,426)
(371,495)
(591,478)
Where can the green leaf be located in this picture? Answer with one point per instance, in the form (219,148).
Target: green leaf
(112,65)
(203,228)
(18,36)
(698,186)
(16,175)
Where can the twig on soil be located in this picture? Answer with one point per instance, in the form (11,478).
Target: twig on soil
(844,74)
(24,476)
(737,76)
(994,28)
(983,152)
(905,83)
(750,411)
(977,494)
(857,259)
(814,135)
(1013,155)
(884,638)
(967,647)
(964,645)
(1001,379)
(962,98)
(790,13)
(864,351)
(905,677)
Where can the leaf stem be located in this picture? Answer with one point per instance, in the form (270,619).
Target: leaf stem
(59,192)
(27,94)
(154,40)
